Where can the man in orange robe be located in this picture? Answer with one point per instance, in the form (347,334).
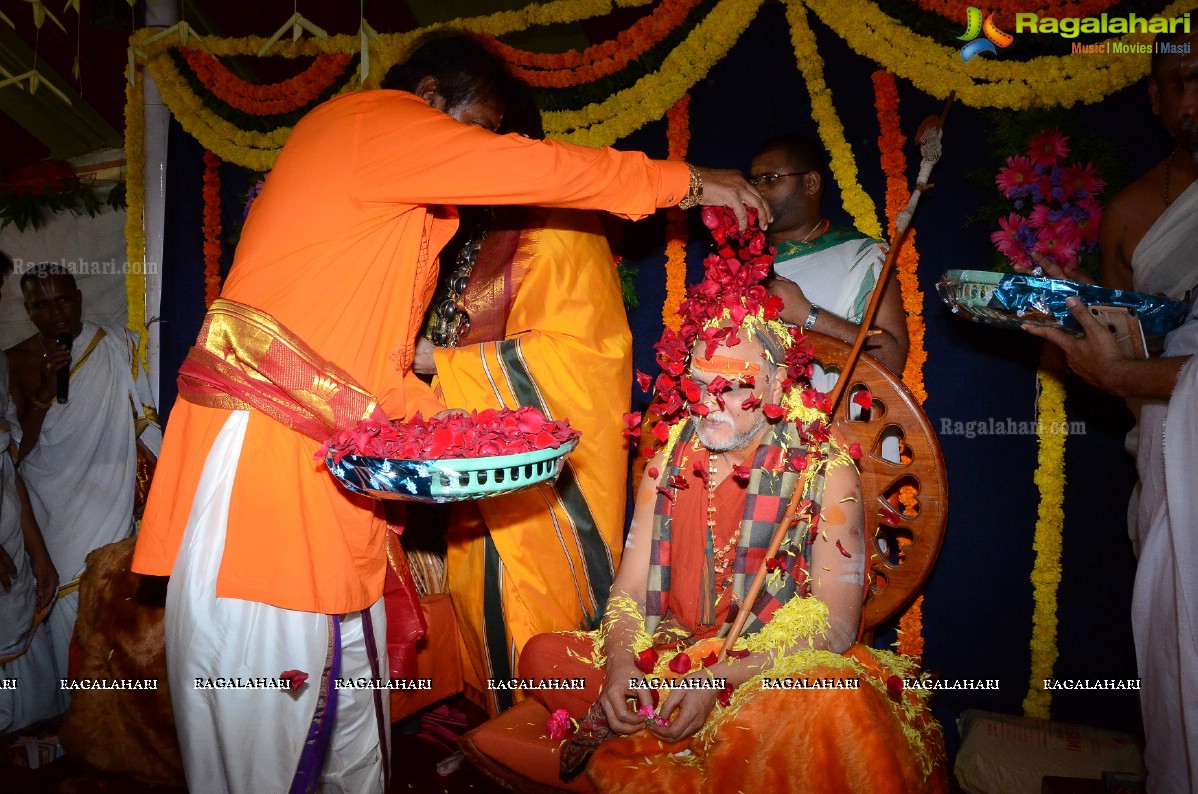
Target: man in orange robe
(547,328)
(274,568)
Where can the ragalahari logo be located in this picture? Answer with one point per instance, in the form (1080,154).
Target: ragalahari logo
(974,27)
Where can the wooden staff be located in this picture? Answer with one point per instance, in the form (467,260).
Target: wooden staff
(929,145)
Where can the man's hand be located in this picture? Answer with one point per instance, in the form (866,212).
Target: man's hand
(797,305)
(53,360)
(423,362)
(693,706)
(616,692)
(1051,269)
(47,580)
(1096,357)
(725,187)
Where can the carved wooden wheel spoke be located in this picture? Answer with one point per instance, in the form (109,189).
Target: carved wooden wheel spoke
(902,479)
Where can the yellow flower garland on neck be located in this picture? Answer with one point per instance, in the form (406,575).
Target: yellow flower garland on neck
(856,201)
(1046,571)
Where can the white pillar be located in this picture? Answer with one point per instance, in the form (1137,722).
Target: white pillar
(159,14)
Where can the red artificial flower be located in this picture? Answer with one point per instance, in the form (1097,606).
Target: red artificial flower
(559,725)
(294,678)
(1016,176)
(680,664)
(1048,148)
(1007,243)
(646,661)
(1079,178)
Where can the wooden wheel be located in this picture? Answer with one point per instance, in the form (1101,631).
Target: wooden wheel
(906,502)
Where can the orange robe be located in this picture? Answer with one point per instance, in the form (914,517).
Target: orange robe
(341,248)
(542,560)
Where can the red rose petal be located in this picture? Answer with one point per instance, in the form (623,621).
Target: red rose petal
(680,664)
(894,685)
(710,659)
(773,411)
(738,654)
(294,678)
(646,661)
(864,399)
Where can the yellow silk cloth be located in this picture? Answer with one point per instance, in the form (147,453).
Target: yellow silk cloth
(244,358)
(566,348)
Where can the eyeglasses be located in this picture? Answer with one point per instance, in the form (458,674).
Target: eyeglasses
(770,179)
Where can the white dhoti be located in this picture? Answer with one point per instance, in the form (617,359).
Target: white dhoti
(36,694)
(1165,598)
(81,472)
(251,739)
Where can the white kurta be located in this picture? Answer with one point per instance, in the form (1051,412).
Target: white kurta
(81,473)
(37,695)
(1165,597)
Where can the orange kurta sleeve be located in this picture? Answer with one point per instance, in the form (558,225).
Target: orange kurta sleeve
(340,247)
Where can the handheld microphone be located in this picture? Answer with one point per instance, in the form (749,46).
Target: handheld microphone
(64,374)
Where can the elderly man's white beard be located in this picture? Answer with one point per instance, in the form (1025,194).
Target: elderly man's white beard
(732,442)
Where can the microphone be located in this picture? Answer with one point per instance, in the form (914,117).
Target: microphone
(64,374)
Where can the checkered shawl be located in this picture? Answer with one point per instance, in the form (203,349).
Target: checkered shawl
(771,485)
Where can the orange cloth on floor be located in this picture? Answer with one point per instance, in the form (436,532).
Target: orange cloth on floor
(561,343)
(836,741)
(340,247)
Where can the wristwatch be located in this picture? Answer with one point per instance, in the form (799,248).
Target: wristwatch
(809,323)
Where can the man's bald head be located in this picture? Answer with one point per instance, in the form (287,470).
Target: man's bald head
(1173,89)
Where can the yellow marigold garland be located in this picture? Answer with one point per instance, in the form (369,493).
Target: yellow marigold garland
(135,197)
(678,133)
(856,201)
(603,123)
(894,163)
(937,69)
(1046,571)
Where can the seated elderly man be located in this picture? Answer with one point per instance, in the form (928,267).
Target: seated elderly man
(749,435)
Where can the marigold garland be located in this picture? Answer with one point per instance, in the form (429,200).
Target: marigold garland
(856,201)
(573,68)
(937,69)
(1004,10)
(894,163)
(212,228)
(603,123)
(1046,571)
(271,99)
(678,134)
(135,196)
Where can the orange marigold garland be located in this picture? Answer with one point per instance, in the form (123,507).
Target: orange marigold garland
(894,164)
(272,99)
(212,228)
(678,133)
(573,68)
